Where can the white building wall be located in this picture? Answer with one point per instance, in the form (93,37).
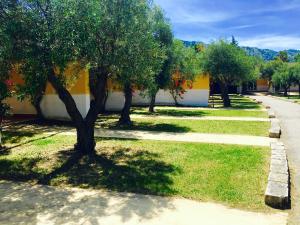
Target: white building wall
(54,108)
(116,100)
(294,88)
(195,98)
(164,97)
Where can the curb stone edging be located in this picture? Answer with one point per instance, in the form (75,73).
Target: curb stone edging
(271,114)
(275,130)
(277,192)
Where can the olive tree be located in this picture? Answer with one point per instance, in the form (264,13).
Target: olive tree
(227,64)
(101,34)
(34,86)
(6,59)
(268,69)
(140,67)
(296,75)
(163,35)
(185,65)
(284,77)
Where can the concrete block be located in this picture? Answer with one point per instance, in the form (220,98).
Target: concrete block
(278,157)
(274,133)
(279,177)
(277,195)
(278,149)
(276,144)
(271,114)
(275,168)
(275,130)
(279,162)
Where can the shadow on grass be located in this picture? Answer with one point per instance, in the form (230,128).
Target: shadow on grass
(150,126)
(15,137)
(237,102)
(122,170)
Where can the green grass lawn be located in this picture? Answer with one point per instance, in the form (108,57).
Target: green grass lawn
(295,98)
(229,174)
(197,126)
(241,107)
(171,111)
(237,102)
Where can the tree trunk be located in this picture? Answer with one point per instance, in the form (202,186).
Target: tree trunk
(174,95)
(85,139)
(125,115)
(299,89)
(85,127)
(37,105)
(225,95)
(1,133)
(152,103)
(94,74)
(285,92)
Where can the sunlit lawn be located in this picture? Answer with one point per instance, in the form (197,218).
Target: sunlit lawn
(295,98)
(237,102)
(172,111)
(229,174)
(241,107)
(197,126)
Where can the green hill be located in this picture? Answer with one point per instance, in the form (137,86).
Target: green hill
(266,54)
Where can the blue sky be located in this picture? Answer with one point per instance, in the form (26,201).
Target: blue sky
(273,24)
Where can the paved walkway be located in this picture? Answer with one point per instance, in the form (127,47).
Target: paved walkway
(289,115)
(22,203)
(181,137)
(202,118)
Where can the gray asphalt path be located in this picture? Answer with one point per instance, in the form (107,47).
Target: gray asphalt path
(289,115)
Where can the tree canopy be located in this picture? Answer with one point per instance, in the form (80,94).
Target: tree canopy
(184,67)
(105,35)
(164,36)
(227,64)
(284,77)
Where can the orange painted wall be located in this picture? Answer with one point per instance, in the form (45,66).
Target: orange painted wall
(262,82)
(201,82)
(78,86)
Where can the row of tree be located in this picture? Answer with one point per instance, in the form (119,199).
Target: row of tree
(130,42)
(282,74)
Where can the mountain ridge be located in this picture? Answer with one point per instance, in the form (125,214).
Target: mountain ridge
(265,54)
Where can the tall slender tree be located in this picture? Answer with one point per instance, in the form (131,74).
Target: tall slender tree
(138,70)
(163,35)
(296,75)
(184,68)
(7,43)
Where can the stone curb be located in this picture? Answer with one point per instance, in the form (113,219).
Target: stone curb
(277,192)
(275,130)
(271,114)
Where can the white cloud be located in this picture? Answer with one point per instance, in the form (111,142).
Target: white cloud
(200,16)
(276,42)
(243,26)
